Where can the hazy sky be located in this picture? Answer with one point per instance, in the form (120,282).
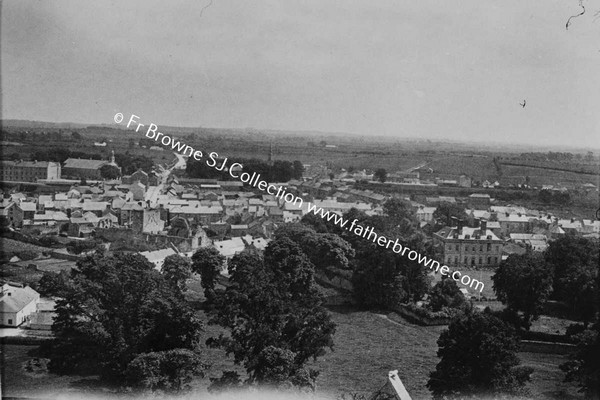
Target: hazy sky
(436,69)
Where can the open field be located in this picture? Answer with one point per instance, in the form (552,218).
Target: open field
(367,346)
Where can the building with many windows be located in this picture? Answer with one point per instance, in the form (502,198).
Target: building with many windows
(469,247)
(28,171)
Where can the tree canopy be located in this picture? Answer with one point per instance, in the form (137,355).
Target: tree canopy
(116,309)
(478,357)
(273,312)
(208,262)
(523,283)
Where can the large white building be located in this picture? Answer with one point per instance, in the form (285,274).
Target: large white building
(17,304)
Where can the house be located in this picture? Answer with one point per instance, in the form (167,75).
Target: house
(17,304)
(44,316)
(28,171)
(27,209)
(229,248)
(239,230)
(83,168)
(513,223)
(425,214)
(10,213)
(464,181)
(157,257)
(469,247)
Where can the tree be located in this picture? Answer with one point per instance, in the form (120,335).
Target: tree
(53,284)
(177,269)
(76,136)
(565,253)
(108,171)
(584,366)
(169,371)
(274,314)
(478,357)
(446,294)
(383,278)
(328,252)
(115,309)
(579,290)
(208,262)
(380,175)
(523,283)
(445,212)
(401,214)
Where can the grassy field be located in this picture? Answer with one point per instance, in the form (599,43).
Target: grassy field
(367,346)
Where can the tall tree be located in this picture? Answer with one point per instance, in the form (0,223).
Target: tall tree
(208,262)
(446,294)
(274,314)
(478,357)
(568,252)
(523,283)
(177,269)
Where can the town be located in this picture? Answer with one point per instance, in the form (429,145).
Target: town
(56,213)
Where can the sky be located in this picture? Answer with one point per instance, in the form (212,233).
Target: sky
(432,69)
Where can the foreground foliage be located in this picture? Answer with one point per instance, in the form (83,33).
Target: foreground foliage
(118,309)
(273,312)
(478,356)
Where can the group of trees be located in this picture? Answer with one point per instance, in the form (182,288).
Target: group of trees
(557,156)
(568,271)
(120,318)
(273,313)
(280,171)
(478,359)
(382,278)
(554,197)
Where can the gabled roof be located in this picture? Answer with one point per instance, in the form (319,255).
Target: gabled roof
(14,299)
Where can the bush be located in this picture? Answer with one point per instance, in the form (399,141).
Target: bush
(27,255)
(80,246)
(49,241)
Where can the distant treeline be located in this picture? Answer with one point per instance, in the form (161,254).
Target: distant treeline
(281,171)
(557,156)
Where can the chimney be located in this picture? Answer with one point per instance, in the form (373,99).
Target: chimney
(460,224)
(483,226)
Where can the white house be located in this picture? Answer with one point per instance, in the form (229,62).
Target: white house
(157,257)
(17,303)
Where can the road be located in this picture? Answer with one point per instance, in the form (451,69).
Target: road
(154,191)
